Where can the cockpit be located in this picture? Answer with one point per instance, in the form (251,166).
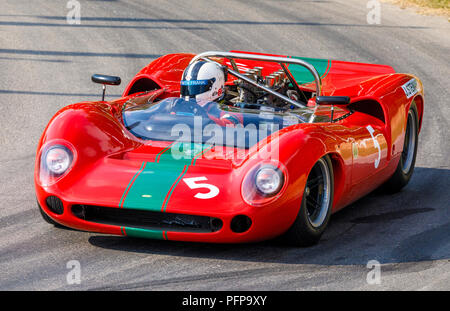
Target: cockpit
(252,107)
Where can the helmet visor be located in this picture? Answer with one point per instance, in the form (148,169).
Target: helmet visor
(195,87)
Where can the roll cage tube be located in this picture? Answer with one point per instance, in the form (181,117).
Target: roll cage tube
(281,60)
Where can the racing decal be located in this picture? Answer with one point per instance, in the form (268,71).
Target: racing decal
(410,88)
(193,183)
(303,75)
(153,184)
(376,144)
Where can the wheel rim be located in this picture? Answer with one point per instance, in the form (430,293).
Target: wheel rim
(409,144)
(317,193)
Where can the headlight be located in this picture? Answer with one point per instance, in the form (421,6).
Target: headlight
(58,159)
(264,183)
(268,180)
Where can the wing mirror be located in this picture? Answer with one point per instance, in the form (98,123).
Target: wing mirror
(105,80)
(332,101)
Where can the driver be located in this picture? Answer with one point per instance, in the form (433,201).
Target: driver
(204,83)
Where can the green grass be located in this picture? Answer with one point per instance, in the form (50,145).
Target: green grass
(435,4)
(428,7)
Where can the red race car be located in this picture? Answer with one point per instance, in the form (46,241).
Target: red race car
(229,147)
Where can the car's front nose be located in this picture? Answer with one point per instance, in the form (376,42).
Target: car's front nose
(159,196)
(245,225)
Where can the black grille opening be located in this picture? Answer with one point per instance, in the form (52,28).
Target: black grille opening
(55,205)
(240,223)
(125,217)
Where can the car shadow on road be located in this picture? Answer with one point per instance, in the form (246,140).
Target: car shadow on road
(409,226)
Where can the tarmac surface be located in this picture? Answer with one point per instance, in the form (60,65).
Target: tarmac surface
(46,63)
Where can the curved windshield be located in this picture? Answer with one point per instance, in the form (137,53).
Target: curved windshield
(177,119)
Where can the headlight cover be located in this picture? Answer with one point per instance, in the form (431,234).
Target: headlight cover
(268,180)
(264,183)
(56,160)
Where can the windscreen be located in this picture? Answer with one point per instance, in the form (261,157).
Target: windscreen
(178,119)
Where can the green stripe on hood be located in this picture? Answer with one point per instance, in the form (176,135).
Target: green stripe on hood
(153,186)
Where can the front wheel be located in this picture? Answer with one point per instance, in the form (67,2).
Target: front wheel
(315,209)
(407,161)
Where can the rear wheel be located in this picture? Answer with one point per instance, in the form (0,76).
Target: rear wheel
(407,161)
(315,209)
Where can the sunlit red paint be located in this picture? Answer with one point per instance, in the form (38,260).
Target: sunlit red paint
(110,159)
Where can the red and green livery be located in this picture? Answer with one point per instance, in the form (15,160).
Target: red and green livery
(293,141)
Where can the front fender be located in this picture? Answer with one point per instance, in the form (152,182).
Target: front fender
(91,129)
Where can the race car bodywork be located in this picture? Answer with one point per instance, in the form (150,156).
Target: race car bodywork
(125,176)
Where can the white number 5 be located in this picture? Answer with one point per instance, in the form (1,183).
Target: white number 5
(192,183)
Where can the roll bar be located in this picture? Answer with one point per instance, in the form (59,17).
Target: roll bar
(231,56)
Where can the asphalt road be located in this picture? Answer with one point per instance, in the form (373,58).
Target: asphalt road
(46,63)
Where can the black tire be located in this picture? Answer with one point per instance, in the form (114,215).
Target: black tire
(315,209)
(407,161)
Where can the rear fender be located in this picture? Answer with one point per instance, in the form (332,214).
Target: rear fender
(164,72)
(389,92)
